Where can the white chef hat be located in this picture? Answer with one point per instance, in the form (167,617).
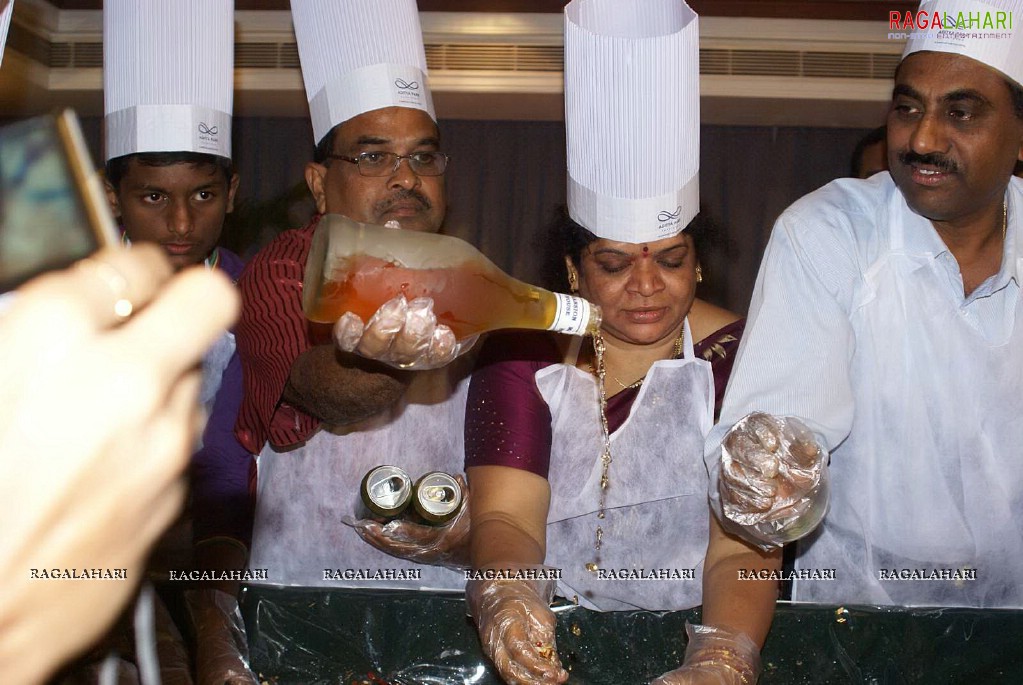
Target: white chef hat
(982,30)
(358,56)
(168,68)
(632,117)
(5,24)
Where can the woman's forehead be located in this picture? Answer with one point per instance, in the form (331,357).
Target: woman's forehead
(654,246)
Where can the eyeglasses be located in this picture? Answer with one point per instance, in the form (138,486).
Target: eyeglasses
(386,163)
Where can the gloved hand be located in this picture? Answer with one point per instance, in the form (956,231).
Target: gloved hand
(773,485)
(443,545)
(222,651)
(171,652)
(715,656)
(516,626)
(404,334)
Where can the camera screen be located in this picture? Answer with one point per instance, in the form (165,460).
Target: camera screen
(43,224)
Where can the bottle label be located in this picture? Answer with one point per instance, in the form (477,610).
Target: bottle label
(572,315)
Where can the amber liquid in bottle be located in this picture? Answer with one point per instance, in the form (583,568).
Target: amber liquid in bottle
(465,297)
(355,267)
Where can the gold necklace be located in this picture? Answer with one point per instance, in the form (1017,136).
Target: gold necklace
(1005,217)
(605,457)
(677,354)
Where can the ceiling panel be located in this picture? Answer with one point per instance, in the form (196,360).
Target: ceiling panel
(773,70)
(793,9)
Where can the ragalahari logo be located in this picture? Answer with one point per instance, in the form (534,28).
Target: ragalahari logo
(925,20)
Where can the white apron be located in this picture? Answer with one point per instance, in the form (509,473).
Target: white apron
(213,366)
(656,512)
(304,494)
(930,479)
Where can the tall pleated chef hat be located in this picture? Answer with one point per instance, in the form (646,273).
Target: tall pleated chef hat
(5,24)
(358,56)
(168,76)
(987,33)
(632,117)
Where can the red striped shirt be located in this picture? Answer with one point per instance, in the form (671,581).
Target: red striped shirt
(271,334)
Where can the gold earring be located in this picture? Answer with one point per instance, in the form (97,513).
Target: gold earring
(699,274)
(573,282)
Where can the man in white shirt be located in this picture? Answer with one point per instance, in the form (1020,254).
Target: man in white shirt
(887,317)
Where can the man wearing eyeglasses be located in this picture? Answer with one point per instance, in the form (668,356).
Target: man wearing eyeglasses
(320,417)
(382,166)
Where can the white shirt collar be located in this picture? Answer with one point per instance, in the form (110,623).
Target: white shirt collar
(920,237)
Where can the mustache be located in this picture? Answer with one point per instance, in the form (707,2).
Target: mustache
(404,195)
(935,159)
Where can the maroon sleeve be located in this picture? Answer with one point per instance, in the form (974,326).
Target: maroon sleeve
(719,349)
(271,334)
(507,422)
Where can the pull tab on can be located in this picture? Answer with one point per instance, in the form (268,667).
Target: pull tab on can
(437,497)
(386,491)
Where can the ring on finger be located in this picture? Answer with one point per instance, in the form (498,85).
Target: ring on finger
(114,280)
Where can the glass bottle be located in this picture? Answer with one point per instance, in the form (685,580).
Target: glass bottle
(357,267)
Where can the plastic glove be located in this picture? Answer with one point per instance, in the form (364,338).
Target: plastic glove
(516,626)
(222,650)
(716,656)
(444,545)
(171,652)
(773,484)
(404,334)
